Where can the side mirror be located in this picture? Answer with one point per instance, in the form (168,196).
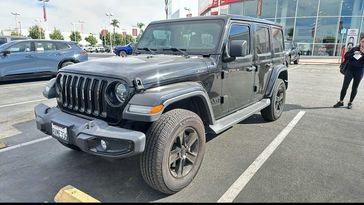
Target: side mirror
(238,48)
(5,53)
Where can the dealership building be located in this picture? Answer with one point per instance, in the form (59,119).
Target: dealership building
(319,27)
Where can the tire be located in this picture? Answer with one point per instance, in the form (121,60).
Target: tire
(73,147)
(276,107)
(122,54)
(67,63)
(163,140)
(297,60)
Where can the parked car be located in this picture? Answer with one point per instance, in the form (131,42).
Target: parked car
(6,39)
(90,49)
(188,77)
(292,53)
(32,58)
(124,50)
(100,49)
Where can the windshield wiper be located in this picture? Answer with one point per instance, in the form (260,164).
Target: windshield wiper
(183,51)
(148,49)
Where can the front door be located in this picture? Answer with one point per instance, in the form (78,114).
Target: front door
(238,75)
(19,61)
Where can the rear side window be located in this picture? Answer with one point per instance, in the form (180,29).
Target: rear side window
(45,46)
(62,46)
(262,40)
(240,32)
(277,40)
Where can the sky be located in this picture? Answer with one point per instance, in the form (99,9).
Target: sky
(61,13)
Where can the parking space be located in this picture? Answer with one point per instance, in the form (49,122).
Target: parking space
(320,159)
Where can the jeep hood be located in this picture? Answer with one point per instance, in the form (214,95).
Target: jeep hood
(149,68)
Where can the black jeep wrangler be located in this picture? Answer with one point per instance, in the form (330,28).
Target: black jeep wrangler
(187,77)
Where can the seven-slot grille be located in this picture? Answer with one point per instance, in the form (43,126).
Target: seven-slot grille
(83,94)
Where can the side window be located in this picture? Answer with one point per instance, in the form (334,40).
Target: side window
(62,46)
(20,47)
(277,40)
(240,32)
(262,40)
(45,46)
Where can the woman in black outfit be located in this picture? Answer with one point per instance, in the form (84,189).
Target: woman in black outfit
(355,71)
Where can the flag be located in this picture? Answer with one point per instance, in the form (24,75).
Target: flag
(44,13)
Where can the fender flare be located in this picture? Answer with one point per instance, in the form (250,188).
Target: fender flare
(280,71)
(167,95)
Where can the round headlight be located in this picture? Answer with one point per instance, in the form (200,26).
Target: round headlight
(121,92)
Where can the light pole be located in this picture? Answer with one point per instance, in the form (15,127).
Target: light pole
(44,9)
(110,15)
(16,20)
(81,23)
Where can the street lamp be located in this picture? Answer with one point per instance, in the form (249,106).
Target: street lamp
(44,9)
(16,20)
(74,31)
(110,15)
(81,23)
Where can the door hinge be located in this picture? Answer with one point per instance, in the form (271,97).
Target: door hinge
(224,74)
(223,99)
(255,88)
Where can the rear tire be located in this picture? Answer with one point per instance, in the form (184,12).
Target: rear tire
(122,54)
(67,63)
(174,151)
(276,107)
(297,60)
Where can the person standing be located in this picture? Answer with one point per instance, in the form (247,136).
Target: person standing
(355,70)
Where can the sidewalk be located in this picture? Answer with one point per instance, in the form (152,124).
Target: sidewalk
(319,61)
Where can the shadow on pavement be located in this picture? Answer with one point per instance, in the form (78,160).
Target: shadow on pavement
(27,80)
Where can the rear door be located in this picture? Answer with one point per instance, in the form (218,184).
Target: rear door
(19,61)
(47,56)
(263,59)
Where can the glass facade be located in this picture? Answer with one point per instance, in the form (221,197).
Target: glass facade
(315,25)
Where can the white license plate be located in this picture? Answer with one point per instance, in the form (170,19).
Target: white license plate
(59,132)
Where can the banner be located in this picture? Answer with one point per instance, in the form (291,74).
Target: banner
(351,38)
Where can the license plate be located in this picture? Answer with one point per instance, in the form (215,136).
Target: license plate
(59,132)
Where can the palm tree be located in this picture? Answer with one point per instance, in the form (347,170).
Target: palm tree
(140,26)
(115,23)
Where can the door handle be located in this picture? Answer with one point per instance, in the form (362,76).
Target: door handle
(268,65)
(251,68)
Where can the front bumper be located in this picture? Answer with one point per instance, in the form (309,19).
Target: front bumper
(88,134)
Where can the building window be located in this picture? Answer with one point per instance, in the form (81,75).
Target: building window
(286,8)
(288,26)
(352,8)
(236,8)
(305,30)
(329,7)
(250,8)
(307,8)
(327,29)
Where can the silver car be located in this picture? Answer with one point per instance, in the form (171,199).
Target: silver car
(35,58)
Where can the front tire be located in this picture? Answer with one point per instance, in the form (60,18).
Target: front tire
(276,107)
(67,64)
(297,60)
(174,151)
(122,54)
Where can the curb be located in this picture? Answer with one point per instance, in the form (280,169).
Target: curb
(72,194)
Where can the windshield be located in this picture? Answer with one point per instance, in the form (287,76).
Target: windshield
(195,37)
(5,45)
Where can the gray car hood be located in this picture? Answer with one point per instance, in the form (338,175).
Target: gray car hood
(149,68)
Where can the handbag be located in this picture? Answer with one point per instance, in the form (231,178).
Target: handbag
(344,67)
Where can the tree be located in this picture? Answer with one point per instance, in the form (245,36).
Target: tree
(115,23)
(14,33)
(56,35)
(140,25)
(36,32)
(75,36)
(91,39)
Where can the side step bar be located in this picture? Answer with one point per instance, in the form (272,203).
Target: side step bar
(228,121)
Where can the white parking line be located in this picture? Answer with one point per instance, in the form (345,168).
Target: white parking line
(25,144)
(21,103)
(22,85)
(241,182)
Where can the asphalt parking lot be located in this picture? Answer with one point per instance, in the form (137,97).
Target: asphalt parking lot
(321,159)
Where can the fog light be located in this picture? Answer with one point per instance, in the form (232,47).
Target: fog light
(103,144)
